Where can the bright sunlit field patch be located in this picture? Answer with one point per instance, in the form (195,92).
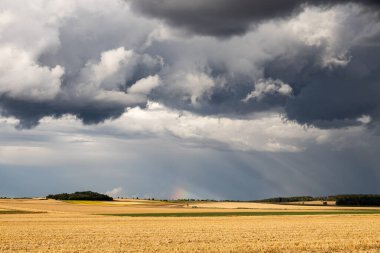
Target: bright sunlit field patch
(229,214)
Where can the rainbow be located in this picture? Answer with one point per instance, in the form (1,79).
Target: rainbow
(180,193)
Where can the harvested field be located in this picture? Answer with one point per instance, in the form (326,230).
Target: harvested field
(266,206)
(278,213)
(68,227)
(84,233)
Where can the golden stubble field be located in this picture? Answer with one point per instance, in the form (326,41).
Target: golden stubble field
(67,227)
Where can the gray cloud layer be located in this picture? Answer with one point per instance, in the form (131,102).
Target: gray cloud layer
(224,17)
(316,65)
(60,156)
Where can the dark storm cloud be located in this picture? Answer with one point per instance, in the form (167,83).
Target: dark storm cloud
(326,97)
(332,98)
(85,107)
(318,66)
(223,99)
(30,112)
(224,17)
(200,74)
(98,66)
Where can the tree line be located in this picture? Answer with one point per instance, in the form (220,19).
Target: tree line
(85,195)
(358,200)
(341,200)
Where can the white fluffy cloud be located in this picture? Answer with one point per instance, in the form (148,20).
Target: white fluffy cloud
(269,87)
(112,68)
(25,33)
(145,85)
(267,132)
(102,80)
(262,132)
(193,85)
(335,30)
(21,77)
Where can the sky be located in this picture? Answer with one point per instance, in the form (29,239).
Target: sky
(216,99)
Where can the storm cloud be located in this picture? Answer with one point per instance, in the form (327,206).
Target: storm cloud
(315,64)
(55,63)
(271,97)
(225,18)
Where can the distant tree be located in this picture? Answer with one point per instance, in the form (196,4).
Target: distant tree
(287,199)
(85,195)
(358,200)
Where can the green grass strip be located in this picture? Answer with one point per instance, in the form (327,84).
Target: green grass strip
(17,212)
(221,214)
